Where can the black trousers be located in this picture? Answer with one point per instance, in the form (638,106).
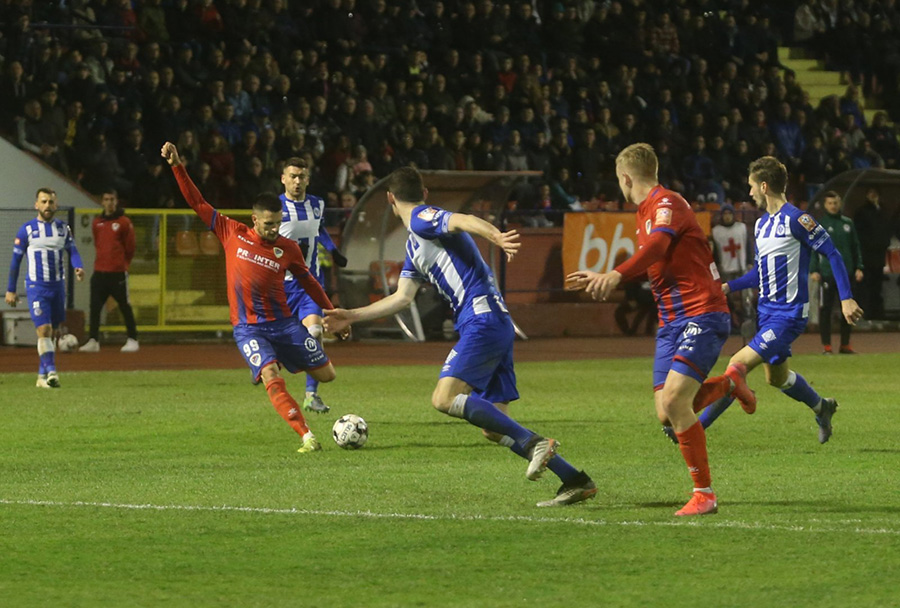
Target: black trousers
(828,294)
(104,285)
(872,282)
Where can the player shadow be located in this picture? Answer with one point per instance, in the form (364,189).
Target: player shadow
(879,450)
(430,446)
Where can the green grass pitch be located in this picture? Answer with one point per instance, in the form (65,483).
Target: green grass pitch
(184,489)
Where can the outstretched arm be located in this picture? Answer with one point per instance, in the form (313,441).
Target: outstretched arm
(507,241)
(339,319)
(193,197)
(751,279)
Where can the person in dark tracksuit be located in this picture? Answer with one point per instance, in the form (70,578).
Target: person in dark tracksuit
(843,232)
(114,241)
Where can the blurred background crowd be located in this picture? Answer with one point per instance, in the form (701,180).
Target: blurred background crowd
(361,87)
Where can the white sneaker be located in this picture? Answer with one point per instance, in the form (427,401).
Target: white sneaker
(42,382)
(131,346)
(91,346)
(541,453)
(53,379)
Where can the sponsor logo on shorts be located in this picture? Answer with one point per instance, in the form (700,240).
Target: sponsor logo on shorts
(768,335)
(692,329)
(255,359)
(311,344)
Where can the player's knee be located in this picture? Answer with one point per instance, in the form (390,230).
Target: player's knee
(316,331)
(325,374)
(441,401)
(268,373)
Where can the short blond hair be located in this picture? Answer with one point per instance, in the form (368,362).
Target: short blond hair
(640,160)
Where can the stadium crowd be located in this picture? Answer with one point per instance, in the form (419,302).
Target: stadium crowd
(93,87)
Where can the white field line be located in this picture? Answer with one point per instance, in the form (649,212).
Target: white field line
(578,521)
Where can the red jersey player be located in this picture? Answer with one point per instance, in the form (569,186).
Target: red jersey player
(693,314)
(265,331)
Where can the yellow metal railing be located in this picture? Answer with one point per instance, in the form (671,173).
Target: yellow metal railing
(177,277)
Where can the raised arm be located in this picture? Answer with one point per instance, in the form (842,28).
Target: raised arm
(507,241)
(193,197)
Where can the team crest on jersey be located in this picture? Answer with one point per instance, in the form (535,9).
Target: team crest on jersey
(663,217)
(278,251)
(115,226)
(768,335)
(846,227)
(316,212)
(647,226)
(255,359)
(779,231)
(807,222)
(427,214)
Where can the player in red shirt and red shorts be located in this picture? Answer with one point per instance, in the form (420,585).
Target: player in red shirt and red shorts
(694,320)
(266,332)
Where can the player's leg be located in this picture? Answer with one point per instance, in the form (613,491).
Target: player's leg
(674,404)
(47,308)
(797,388)
(99,293)
(119,293)
(313,323)
(741,364)
(576,485)
(262,356)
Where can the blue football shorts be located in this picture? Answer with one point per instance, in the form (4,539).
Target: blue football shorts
(300,302)
(690,346)
(285,342)
(776,334)
(46,302)
(483,357)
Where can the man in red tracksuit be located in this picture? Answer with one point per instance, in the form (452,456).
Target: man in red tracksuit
(114,241)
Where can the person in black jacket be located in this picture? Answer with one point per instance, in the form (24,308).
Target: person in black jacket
(874,229)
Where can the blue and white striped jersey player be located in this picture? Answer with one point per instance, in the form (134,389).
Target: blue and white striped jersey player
(477,381)
(43,240)
(301,221)
(786,239)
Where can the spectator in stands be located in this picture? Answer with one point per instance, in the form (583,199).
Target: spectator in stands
(815,167)
(873,225)
(39,137)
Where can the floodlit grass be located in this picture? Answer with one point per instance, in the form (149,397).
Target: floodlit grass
(184,489)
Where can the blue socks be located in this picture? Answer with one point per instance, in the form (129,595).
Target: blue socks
(559,465)
(714,410)
(312,385)
(484,415)
(798,388)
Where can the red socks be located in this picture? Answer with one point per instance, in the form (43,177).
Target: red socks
(711,391)
(693,448)
(285,405)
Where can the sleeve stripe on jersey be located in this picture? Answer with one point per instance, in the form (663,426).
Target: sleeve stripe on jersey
(661,229)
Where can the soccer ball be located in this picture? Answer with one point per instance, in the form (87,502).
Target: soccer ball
(350,432)
(68,343)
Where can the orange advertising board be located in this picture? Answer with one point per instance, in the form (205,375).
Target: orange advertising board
(596,241)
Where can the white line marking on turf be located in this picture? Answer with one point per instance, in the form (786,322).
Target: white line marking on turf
(706,523)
